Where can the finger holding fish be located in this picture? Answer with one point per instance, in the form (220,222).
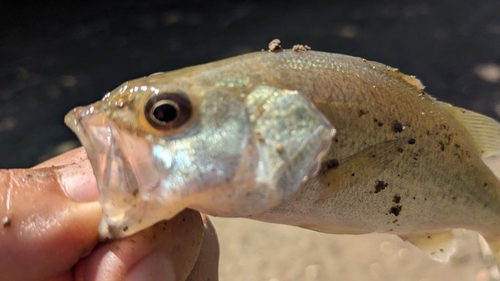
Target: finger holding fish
(45,232)
(50,218)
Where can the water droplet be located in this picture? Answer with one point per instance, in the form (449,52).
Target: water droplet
(387,247)
(376,269)
(404,254)
(312,272)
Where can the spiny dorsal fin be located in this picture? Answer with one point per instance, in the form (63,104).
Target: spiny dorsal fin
(411,80)
(484,130)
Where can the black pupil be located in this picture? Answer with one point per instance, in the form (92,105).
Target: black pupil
(165,113)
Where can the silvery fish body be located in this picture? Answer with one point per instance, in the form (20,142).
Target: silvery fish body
(323,141)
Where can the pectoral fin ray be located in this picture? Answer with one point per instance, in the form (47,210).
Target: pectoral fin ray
(373,161)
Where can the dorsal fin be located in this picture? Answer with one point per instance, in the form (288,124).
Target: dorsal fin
(484,130)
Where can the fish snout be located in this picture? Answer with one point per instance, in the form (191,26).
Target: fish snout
(122,164)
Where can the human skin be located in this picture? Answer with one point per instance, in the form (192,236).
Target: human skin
(50,217)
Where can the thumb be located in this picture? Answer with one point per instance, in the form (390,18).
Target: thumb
(44,232)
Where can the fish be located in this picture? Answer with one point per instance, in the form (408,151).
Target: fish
(323,141)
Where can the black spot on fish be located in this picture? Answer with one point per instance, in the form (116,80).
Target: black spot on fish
(447,138)
(353,174)
(485,184)
(336,140)
(135,192)
(396,199)
(395,210)
(444,126)
(395,221)
(400,149)
(441,144)
(379,123)
(414,198)
(398,126)
(453,197)
(380,186)
(362,112)
(331,164)
(125,228)
(411,141)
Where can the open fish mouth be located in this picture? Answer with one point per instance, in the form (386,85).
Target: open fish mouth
(122,164)
(236,168)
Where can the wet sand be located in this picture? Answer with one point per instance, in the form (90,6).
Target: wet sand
(259,251)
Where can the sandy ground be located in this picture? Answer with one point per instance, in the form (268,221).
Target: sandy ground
(253,250)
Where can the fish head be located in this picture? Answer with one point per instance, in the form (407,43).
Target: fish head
(223,146)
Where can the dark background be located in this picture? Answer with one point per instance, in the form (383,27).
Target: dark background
(55,55)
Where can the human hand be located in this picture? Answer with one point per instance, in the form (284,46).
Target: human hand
(50,216)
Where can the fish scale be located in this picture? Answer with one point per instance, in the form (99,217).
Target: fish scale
(328,142)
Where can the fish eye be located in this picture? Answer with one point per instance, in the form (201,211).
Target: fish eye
(168,110)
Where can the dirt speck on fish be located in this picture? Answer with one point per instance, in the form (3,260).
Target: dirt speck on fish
(275,45)
(301,48)
(238,137)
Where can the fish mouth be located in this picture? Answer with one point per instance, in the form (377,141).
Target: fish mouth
(122,164)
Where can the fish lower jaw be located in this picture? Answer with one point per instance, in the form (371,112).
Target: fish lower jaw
(119,223)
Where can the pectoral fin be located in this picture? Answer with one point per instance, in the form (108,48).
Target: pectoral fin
(438,246)
(373,161)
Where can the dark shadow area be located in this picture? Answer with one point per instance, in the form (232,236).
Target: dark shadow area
(55,55)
